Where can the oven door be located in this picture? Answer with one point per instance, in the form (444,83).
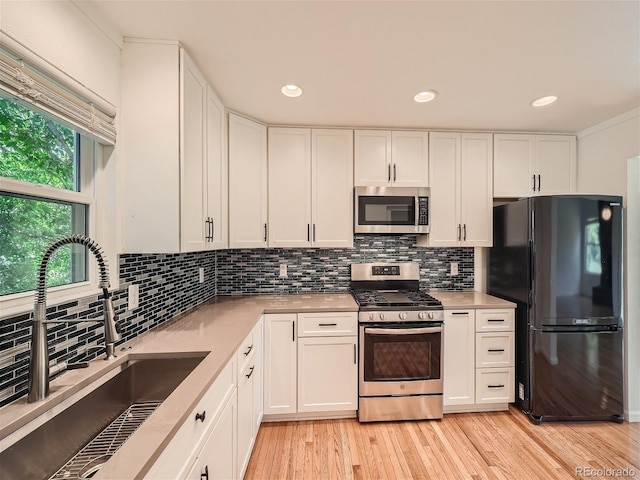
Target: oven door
(400,359)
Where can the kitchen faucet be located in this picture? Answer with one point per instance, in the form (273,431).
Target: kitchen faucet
(39,358)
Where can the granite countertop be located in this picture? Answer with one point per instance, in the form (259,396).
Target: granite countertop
(470,299)
(215,328)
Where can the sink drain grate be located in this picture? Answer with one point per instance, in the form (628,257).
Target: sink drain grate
(89,460)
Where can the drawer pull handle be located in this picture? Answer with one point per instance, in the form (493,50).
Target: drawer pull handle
(201,416)
(495,386)
(250,372)
(496,349)
(459,313)
(205,475)
(248,351)
(495,320)
(327,324)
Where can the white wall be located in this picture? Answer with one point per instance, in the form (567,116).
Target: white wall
(58,35)
(603,151)
(604,166)
(632,274)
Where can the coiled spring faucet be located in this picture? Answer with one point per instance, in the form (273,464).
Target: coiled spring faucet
(39,358)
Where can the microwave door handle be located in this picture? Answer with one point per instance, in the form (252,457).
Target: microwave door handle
(416,205)
(402,331)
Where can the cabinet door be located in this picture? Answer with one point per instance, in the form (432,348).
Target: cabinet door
(217,459)
(372,158)
(555,163)
(258,375)
(217,177)
(280,364)
(459,357)
(327,374)
(512,165)
(246,430)
(476,189)
(247,183)
(444,206)
(193,171)
(289,187)
(410,159)
(332,189)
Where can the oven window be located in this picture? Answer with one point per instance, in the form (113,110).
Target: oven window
(374,210)
(397,357)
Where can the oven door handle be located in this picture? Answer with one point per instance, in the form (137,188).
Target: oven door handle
(402,331)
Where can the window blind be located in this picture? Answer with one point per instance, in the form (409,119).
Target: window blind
(26,84)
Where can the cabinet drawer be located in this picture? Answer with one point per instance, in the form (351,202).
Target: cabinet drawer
(495,385)
(191,434)
(327,324)
(248,347)
(495,320)
(495,349)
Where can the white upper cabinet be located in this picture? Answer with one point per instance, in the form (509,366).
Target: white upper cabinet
(310,187)
(289,187)
(526,165)
(460,204)
(172,148)
(385,158)
(217,173)
(332,188)
(247,183)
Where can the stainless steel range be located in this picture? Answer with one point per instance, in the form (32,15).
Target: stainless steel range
(401,350)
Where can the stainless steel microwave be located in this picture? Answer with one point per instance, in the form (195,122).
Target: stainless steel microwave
(391,210)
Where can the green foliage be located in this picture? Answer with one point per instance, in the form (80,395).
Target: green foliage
(38,150)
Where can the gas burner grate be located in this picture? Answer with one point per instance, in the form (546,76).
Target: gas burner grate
(87,462)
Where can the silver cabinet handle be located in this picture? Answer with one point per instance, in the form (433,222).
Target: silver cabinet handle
(265,232)
(394,172)
(389,173)
(402,331)
(314,232)
(538,182)
(495,386)
(465,232)
(459,235)
(534,183)
(355,360)
(327,324)
(248,351)
(496,350)
(250,371)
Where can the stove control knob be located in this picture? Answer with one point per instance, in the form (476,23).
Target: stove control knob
(431,315)
(422,315)
(372,316)
(382,316)
(403,315)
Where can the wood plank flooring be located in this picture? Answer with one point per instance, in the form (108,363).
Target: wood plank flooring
(496,445)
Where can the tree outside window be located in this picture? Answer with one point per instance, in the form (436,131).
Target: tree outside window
(37,150)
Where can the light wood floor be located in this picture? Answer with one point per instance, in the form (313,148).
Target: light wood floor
(497,445)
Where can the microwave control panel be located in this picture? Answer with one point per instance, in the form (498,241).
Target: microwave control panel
(423,210)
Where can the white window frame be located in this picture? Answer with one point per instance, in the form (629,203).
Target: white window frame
(91,177)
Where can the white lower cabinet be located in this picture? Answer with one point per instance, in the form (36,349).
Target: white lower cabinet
(217,459)
(249,395)
(479,359)
(216,440)
(311,364)
(327,367)
(459,361)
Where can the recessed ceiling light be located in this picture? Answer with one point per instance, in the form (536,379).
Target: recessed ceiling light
(542,101)
(426,96)
(291,90)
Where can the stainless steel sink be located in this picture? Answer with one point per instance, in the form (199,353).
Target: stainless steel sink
(82,431)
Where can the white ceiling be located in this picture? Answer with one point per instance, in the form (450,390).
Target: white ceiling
(361,62)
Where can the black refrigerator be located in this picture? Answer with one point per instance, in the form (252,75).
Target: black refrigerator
(559,258)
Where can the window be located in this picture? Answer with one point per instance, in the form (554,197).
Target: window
(46,191)
(592,248)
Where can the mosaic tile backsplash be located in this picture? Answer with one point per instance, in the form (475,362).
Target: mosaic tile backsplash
(169,286)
